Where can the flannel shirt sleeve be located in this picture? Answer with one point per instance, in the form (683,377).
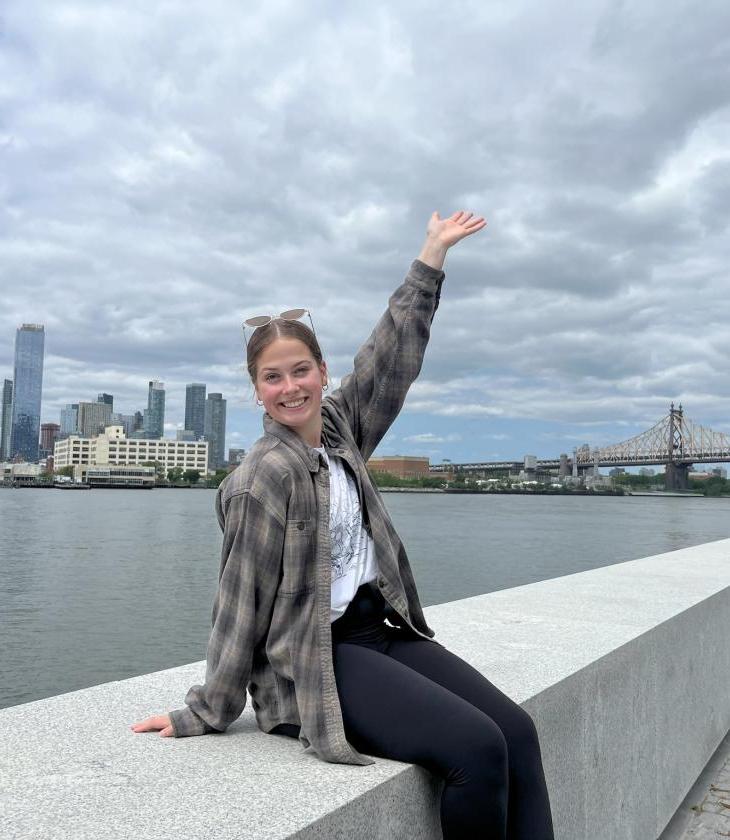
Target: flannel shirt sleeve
(253,539)
(386,365)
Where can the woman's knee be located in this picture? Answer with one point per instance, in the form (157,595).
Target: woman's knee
(521,734)
(484,755)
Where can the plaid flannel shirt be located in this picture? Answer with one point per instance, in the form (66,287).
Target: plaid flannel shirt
(271,616)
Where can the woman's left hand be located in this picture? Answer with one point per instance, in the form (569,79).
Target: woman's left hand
(441,234)
(449,231)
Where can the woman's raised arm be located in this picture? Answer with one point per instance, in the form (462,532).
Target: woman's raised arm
(386,365)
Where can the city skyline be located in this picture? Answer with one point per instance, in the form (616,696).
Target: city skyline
(89,417)
(96,414)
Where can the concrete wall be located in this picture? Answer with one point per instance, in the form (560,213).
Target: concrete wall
(624,669)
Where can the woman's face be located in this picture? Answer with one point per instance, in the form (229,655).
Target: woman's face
(289,383)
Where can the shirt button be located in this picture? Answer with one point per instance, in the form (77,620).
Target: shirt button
(300,526)
(381,581)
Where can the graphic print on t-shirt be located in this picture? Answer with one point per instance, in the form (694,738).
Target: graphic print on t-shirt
(352,551)
(345,525)
(345,537)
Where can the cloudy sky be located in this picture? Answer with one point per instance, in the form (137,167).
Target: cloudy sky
(170,168)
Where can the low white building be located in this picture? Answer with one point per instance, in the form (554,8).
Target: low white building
(113,447)
(12,472)
(114,476)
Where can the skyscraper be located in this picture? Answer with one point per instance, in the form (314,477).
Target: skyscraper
(49,435)
(69,420)
(27,387)
(215,430)
(154,416)
(93,417)
(195,408)
(106,398)
(6,419)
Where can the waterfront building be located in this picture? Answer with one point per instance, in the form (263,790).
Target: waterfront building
(71,450)
(69,420)
(49,435)
(195,408)
(20,472)
(27,387)
(93,417)
(401,466)
(6,419)
(110,475)
(235,456)
(215,430)
(154,415)
(114,447)
(185,434)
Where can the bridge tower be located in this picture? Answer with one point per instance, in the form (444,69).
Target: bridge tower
(676,475)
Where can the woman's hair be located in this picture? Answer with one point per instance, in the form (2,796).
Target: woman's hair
(278,328)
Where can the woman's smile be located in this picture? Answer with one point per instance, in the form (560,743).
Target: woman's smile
(294,405)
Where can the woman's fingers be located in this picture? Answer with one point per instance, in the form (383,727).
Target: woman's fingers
(457,226)
(154,723)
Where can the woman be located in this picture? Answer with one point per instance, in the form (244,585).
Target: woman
(312,569)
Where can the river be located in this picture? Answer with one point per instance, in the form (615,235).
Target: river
(103,585)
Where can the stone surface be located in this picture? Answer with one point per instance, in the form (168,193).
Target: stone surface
(624,670)
(705,812)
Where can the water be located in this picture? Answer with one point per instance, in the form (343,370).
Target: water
(103,585)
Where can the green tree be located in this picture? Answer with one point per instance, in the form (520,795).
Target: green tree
(67,471)
(383,479)
(215,480)
(191,476)
(715,486)
(159,470)
(174,475)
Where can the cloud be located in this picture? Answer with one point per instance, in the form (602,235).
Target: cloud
(430,437)
(170,171)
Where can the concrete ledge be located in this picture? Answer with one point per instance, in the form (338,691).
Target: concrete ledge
(624,670)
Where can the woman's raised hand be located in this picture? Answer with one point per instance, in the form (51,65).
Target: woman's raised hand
(450,230)
(152,724)
(441,234)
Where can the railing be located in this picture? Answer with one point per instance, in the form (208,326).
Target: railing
(624,670)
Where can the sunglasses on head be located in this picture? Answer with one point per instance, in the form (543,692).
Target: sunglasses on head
(264,320)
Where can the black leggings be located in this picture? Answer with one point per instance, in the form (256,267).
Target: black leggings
(408,698)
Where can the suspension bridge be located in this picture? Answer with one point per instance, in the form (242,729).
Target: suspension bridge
(675,442)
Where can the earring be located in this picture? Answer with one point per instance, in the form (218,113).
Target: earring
(259,402)
(325,386)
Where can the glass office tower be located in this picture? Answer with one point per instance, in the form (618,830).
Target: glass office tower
(69,420)
(215,430)
(154,416)
(6,419)
(195,408)
(27,386)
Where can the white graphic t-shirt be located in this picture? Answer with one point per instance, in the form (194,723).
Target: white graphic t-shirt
(353,551)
